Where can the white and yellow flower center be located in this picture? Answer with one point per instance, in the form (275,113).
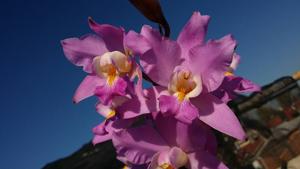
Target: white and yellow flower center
(180,160)
(184,85)
(111,65)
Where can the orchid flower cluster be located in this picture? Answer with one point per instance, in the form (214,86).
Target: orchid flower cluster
(168,125)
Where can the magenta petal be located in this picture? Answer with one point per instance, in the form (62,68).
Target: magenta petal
(204,160)
(103,128)
(138,145)
(87,88)
(160,61)
(112,36)
(218,115)
(136,43)
(214,58)
(187,112)
(140,104)
(168,105)
(193,33)
(100,138)
(234,85)
(247,86)
(106,92)
(81,51)
(183,111)
(102,132)
(189,137)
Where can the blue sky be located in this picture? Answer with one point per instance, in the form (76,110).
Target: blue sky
(38,121)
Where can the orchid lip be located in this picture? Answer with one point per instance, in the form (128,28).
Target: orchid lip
(184,85)
(111,65)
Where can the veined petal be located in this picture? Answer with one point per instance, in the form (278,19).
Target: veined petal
(204,160)
(187,112)
(140,103)
(138,145)
(112,36)
(218,115)
(160,61)
(189,137)
(193,33)
(168,105)
(136,43)
(100,138)
(214,58)
(81,51)
(104,130)
(87,88)
(106,91)
(234,85)
(182,110)
(247,86)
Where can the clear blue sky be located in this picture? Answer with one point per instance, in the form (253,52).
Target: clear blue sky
(39,123)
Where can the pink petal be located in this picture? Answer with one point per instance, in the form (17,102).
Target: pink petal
(87,88)
(112,36)
(81,51)
(100,138)
(232,86)
(160,61)
(187,112)
(136,43)
(104,130)
(189,137)
(211,61)
(168,105)
(193,33)
(140,104)
(218,115)
(138,145)
(247,86)
(183,111)
(204,160)
(106,92)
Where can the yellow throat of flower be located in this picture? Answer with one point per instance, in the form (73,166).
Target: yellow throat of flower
(228,73)
(166,166)
(182,83)
(111,65)
(111,114)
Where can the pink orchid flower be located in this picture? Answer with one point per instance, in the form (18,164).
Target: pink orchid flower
(192,146)
(107,58)
(190,69)
(123,112)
